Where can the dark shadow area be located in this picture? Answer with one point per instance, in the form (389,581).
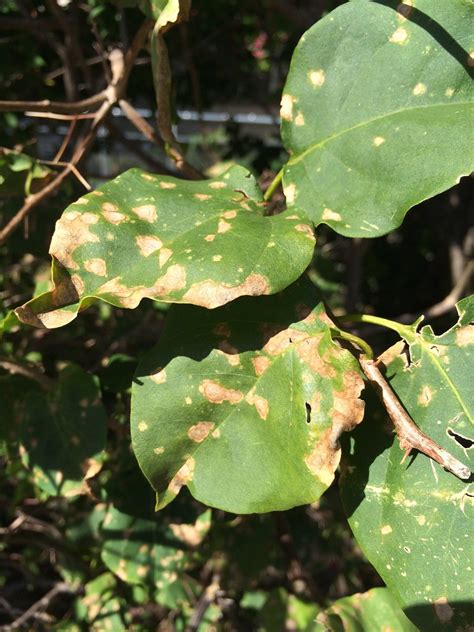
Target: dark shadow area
(457,615)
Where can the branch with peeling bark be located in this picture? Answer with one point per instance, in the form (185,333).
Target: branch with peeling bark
(409,435)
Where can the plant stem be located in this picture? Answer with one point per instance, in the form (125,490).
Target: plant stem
(404,331)
(362,344)
(409,435)
(273,185)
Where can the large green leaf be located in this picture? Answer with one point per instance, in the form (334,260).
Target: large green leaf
(245,404)
(61,433)
(377,111)
(142,235)
(414,520)
(373,611)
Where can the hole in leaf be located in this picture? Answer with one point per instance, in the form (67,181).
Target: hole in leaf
(308,413)
(464,442)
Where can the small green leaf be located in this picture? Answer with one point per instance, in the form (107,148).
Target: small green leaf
(377,112)
(61,433)
(245,405)
(142,235)
(414,520)
(374,611)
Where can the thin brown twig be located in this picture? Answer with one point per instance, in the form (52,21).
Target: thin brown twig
(409,435)
(121,69)
(61,117)
(205,600)
(58,107)
(17,368)
(41,604)
(66,141)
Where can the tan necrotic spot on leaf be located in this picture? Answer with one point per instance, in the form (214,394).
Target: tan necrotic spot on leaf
(282,340)
(69,235)
(223,226)
(385,530)
(51,320)
(217,394)
(209,237)
(216,433)
(299,119)
(202,197)
(142,426)
(329,214)
(323,460)
(443,610)
(189,533)
(400,36)
(164,255)
(260,403)
(114,217)
(465,335)
(378,140)
(159,377)
(182,477)
(217,258)
(419,89)
(217,185)
(167,185)
(286,109)
(211,294)
(261,364)
(317,77)
(158,450)
(425,396)
(449,92)
(147,176)
(229,214)
(307,230)
(146,212)
(96,266)
(290,194)
(200,431)
(147,244)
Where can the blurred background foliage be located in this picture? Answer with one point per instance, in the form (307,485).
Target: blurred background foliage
(95,555)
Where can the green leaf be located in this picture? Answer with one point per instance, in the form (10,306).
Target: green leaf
(372,611)
(377,112)
(414,520)
(152,553)
(61,433)
(102,607)
(19,173)
(142,235)
(245,404)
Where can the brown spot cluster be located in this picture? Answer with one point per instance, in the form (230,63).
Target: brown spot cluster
(212,294)
(260,403)
(217,394)
(73,229)
(173,280)
(260,364)
(347,412)
(200,431)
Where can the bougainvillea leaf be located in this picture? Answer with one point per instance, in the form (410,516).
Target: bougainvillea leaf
(377,112)
(142,235)
(374,611)
(61,432)
(245,404)
(414,520)
(153,553)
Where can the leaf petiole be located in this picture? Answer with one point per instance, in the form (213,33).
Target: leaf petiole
(362,344)
(407,332)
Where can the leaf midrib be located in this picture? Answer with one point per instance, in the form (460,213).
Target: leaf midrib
(299,157)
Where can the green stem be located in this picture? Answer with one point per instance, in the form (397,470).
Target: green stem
(404,331)
(362,344)
(273,185)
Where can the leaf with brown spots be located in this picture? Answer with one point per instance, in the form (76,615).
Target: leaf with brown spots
(375,610)
(145,236)
(413,520)
(230,421)
(153,553)
(60,433)
(377,112)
